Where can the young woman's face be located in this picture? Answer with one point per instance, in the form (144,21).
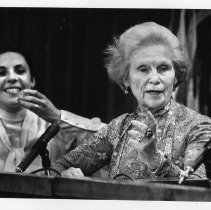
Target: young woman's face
(152,76)
(14,77)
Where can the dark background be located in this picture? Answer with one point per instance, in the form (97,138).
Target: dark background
(67,49)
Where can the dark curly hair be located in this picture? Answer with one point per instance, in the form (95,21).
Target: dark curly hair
(24,51)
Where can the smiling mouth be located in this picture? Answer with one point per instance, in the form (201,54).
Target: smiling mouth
(13,90)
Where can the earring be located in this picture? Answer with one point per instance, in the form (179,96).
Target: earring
(126,90)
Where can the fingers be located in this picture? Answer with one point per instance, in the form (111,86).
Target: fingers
(40,105)
(151,118)
(140,141)
(136,144)
(141,127)
(32,106)
(31,98)
(34,93)
(184,174)
(135,134)
(152,121)
(72,172)
(141,131)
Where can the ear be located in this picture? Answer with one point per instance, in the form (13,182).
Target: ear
(175,82)
(33,82)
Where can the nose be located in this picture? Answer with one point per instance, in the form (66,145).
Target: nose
(154,77)
(11,76)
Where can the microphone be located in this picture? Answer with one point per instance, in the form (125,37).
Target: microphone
(37,147)
(196,163)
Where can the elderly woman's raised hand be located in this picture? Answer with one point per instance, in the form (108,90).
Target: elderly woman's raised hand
(144,140)
(39,104)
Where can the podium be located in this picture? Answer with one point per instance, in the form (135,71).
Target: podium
(34,186)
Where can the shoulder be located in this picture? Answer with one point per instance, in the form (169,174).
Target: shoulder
(117,124)
(185,112)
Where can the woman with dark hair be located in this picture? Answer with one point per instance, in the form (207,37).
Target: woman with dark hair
(161,138)
(25,114)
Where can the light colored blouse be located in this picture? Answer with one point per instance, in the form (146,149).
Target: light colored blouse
(19,131)
(181,138)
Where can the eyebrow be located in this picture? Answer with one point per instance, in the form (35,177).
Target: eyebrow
(165,62)
(160,62)
(19,65)
(141,63)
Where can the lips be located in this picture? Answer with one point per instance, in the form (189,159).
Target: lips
(154,92)
(13,90)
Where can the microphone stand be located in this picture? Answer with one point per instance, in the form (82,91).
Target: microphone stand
(46,163)
(40,148)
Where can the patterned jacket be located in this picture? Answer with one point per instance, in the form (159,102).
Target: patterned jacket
(181,138)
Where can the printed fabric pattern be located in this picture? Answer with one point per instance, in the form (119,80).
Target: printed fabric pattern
(183,134)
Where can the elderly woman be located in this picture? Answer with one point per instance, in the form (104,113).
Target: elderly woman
(25,114)
(161,138)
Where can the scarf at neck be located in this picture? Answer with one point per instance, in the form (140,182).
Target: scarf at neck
(31,129)
(12,117)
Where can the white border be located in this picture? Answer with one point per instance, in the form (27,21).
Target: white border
(35,204)
(176,4)
(67,204)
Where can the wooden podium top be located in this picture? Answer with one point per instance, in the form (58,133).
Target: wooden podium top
(33,186)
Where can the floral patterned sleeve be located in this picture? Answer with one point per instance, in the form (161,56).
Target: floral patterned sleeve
(91,155)
(197,136)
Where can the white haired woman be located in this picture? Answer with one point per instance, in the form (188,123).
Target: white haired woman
(161,138)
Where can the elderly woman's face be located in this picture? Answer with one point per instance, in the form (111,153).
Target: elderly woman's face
(152,76)
(14,77)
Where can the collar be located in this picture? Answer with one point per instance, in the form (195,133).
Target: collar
(159,113)
(14,117)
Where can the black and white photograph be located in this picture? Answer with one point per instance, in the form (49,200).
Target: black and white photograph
(105,103)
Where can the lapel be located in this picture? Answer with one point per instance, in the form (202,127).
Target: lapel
(118,150)
(31,130)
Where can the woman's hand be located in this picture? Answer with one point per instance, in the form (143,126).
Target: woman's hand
(143,139)
(72,172)
(40,105)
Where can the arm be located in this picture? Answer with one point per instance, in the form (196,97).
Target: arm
(45,109)
(197,134)
(196,138)
(40,105)
(91,155)
(73,128)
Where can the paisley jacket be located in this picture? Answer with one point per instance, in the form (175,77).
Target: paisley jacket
(181,138)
